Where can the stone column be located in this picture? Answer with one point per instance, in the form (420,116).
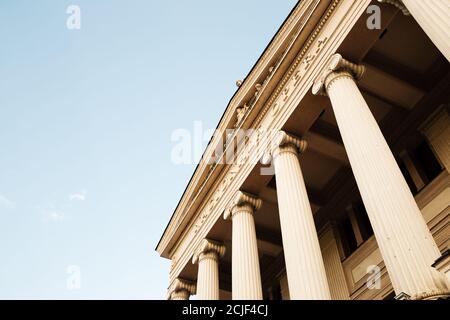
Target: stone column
(246,275)
(433,16)
(181,290)
(333,265)
(208,256)
(405,242)
(304,265)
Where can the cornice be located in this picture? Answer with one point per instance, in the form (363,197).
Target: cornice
(326,43)
(301,58)
(247,88)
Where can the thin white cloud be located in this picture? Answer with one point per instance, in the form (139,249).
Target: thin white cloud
(78,196)
(6,203)
(56,216)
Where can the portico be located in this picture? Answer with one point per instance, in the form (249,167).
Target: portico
(355,173)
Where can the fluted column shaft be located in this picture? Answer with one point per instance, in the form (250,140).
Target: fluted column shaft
(304,265)
(404,239)
(434,18)
(246,275)
(208,276)
(208,256)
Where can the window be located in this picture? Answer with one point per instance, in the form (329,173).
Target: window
(408,178)
(364,224)
(354,228)
(419,167)
(426,162)
(349,243)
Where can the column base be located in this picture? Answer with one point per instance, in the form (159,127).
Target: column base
(431,295)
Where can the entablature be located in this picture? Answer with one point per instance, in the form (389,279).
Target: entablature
(330,30)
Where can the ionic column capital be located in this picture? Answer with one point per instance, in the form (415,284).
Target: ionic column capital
(336,68)
(285,142)
(242,202)
(179,295)
(398,4)
(181,289)
(209,250)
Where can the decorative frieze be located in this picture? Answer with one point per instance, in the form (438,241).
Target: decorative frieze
(275,105)
(318,42)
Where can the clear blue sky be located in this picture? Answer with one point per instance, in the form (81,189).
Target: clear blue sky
(86,118)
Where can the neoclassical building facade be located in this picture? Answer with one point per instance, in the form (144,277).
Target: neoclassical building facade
(342,189)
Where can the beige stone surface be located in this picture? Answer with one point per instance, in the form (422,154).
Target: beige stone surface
(346,123)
